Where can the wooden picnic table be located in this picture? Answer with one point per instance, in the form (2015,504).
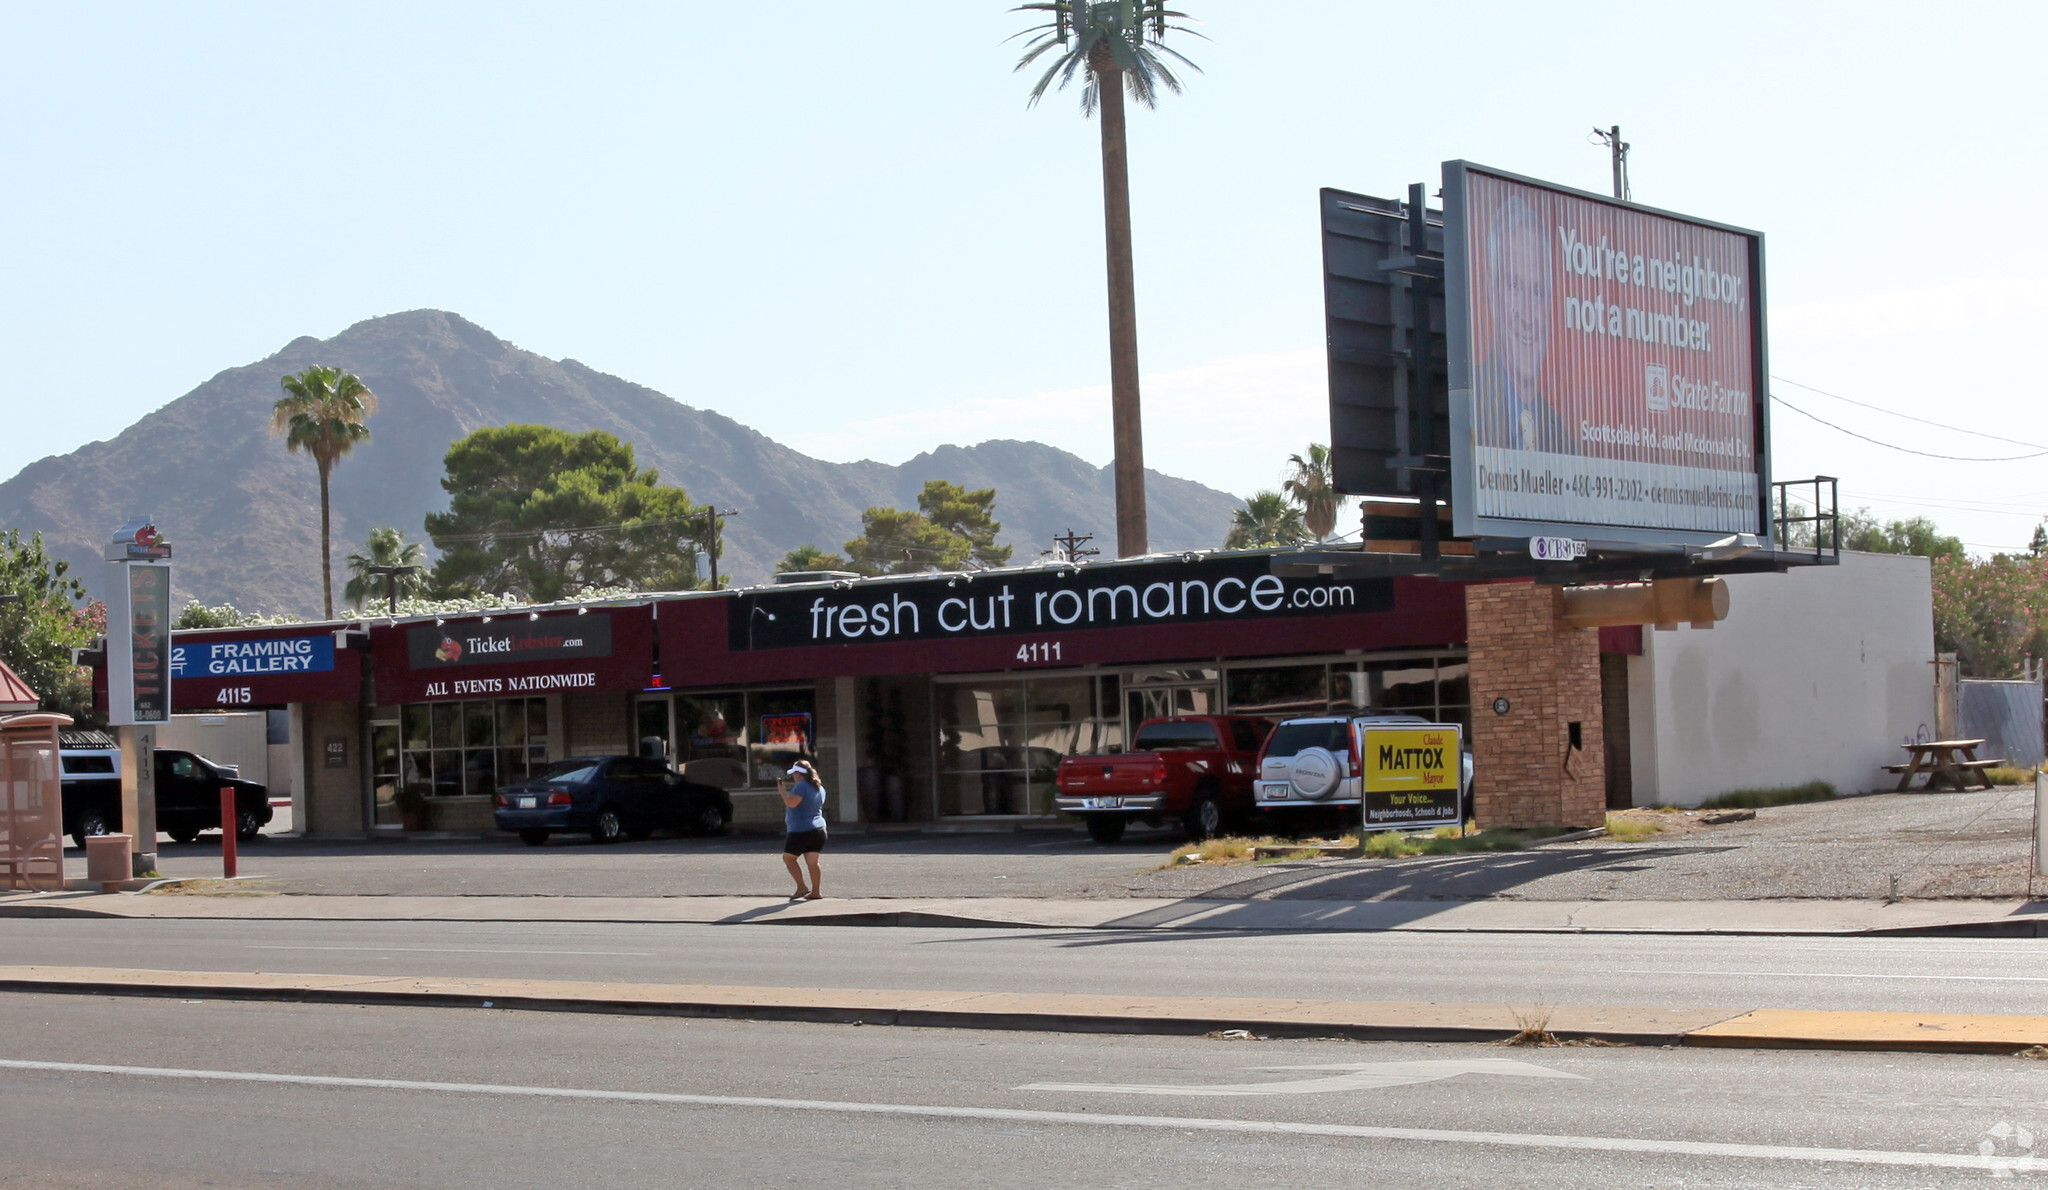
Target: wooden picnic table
(1946,762)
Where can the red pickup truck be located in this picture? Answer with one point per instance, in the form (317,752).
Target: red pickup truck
(1194,768)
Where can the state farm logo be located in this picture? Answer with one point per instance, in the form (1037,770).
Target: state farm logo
(1657,387)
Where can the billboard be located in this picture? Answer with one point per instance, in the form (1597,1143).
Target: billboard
(1607,366)
(1410,775)
(1368,332)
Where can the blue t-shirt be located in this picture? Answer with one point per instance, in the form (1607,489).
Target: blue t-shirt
(809,813)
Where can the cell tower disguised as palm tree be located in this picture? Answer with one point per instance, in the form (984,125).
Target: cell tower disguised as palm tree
(323,413)
(1117,46)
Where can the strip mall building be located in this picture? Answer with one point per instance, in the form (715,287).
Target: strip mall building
(953,696)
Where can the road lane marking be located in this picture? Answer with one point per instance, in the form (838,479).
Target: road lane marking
(1527,1140)
(1356,1076)
(1850,975)
(455,950)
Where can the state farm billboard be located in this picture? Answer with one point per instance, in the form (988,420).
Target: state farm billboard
(1606,365)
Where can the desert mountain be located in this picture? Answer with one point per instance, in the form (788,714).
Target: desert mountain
(244,516)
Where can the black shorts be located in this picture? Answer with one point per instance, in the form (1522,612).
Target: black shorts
(800,842)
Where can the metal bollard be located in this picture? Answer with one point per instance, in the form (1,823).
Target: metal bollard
(227,832)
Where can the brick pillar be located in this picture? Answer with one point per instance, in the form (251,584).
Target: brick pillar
(1525,770)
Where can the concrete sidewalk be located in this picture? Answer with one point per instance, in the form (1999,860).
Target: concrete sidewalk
(1789,917)
(1183,1015)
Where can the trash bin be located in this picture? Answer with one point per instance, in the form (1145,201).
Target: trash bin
(109,859)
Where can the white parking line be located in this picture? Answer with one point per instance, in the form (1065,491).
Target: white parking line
(456,950)
(1527,1140)
(1849,975)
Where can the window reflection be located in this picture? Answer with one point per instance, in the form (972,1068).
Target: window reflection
(453,749)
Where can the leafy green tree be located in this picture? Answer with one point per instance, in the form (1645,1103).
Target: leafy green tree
(952,529)
(1116,46)
(48,617)
(971,515)
(544,514)
(1267,519)
(897,541)
(1991,613)
(1312,484)
(324,413)
(806,558)
(386,547)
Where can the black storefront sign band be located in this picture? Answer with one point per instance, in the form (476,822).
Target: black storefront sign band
(513,641)
(1055,600)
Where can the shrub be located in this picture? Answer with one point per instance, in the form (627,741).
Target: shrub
(1777,795)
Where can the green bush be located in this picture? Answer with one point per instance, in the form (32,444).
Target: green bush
(1777,795)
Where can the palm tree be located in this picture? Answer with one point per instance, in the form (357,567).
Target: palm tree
(323,413)
(1311,484)
(807,558)
(386,547)
(1267,519)
(1117,45)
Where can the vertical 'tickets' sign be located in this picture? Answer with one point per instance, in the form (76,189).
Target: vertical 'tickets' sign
(139,627)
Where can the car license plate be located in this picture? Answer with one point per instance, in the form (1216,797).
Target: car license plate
(1101,803)
(1273,789)
(528,803)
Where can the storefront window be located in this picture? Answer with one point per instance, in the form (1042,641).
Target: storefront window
(1279,691)
(743,739)
(1437,688)
(455,749)
(1001,741)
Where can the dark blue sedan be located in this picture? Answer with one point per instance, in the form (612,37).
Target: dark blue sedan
(611,798)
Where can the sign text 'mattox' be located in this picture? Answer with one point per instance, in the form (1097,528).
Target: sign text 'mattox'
(1048,601)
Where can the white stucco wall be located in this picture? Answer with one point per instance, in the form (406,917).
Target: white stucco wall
(1820,673)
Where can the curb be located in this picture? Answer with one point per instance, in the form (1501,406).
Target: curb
(1072,1013)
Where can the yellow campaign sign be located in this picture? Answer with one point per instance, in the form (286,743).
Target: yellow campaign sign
(1410,773)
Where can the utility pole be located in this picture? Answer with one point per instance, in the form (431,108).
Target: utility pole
(1070,546)
(717,521)
(1617,151)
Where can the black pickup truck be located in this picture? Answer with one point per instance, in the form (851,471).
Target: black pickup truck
(187,791)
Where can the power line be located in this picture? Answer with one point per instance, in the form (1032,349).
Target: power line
(1926,454)
(1909,417)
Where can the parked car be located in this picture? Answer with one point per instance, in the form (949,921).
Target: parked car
(187,790)
(611,798)
(1309,768)
(1195,769)
(188,797)
(89,773)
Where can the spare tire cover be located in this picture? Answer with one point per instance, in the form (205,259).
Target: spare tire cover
(1313,772)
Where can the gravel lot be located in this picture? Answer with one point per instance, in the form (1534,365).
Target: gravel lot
(1934,845)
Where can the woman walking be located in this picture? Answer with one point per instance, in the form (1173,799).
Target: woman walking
(804,819)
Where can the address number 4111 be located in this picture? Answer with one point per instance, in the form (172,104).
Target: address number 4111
(1039,650)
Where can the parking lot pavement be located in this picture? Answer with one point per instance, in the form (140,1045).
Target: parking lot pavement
(1908,846)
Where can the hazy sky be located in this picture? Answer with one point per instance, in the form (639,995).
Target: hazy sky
(840,224)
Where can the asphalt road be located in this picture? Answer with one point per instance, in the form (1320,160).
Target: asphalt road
(180,1095)
(1889,974)
(1912,845)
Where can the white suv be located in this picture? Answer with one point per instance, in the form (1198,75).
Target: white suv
(1308,764)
